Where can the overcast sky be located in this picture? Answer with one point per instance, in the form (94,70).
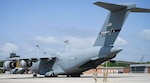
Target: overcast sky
(48,23)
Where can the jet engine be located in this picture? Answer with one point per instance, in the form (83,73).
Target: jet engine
(25,63)
(8,65)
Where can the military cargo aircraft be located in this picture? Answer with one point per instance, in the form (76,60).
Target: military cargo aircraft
(74,63)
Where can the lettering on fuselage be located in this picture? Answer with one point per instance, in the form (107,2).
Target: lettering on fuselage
(109,32)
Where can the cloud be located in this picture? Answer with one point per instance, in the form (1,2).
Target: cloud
(57,45)
(46,40)
(145,34)
(29,48)
(120,42)
(8,48)
(88,42)
(80,42)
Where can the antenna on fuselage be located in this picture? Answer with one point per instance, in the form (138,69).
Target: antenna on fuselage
(67,45)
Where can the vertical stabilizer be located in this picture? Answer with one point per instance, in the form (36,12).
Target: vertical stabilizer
(114,21)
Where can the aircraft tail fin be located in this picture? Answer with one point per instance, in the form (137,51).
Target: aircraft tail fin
(114,21)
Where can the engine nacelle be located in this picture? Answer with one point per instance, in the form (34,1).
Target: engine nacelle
(8,65)
(25,63)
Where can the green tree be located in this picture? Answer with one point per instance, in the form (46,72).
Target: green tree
(147,62)
(1,64)
(116,64)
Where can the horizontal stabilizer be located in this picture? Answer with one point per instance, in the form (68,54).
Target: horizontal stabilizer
(110,6)
(140,10)
(114,21)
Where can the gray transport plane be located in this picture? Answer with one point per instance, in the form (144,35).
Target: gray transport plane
(74,63)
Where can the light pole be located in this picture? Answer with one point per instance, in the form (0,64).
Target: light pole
(38,50)
(67,45)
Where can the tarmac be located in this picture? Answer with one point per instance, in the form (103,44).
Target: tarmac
(88,78)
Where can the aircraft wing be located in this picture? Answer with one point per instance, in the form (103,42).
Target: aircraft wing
(34,59)
(24,62)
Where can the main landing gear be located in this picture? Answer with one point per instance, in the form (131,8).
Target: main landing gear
(34,75)
(74,75)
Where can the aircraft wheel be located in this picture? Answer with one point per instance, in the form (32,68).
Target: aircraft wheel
(68,75)
(77,75)
(34,75)
(52,75)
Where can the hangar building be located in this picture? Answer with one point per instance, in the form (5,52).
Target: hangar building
(140,68)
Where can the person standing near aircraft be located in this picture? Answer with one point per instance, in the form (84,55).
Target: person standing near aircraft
(105,75)
(95,75)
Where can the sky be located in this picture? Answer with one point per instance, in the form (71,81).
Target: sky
(24,24)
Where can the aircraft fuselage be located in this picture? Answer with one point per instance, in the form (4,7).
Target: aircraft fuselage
(73,62)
